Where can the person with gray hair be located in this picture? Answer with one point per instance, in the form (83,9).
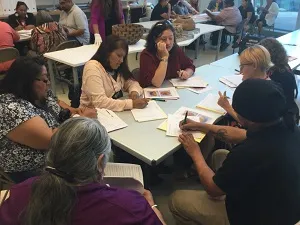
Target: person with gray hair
(47,35)
(71,191)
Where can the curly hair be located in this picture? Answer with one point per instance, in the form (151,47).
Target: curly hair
(278,54)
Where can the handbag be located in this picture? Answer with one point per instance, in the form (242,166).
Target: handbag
(187,23)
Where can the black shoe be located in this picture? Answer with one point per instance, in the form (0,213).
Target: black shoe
(224,46)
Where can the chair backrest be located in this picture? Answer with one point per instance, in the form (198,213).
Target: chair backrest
(67,44)
(136,74)
(7,54)
(144,19)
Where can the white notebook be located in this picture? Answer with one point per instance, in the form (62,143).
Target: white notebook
(210,102)
(232,81)
(128,176)
(161,93)
(191,82)
(173,126)
(110,120)
(151,112)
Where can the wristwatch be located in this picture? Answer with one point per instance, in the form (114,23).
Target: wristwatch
(164,59)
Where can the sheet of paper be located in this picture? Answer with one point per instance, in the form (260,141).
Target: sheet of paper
(201,115)
(291,58)
(200,90)
(129,176)
(173,126)
(210,102)
(151,112)
(191,82)
(161,93)
(110,120)
(232,81)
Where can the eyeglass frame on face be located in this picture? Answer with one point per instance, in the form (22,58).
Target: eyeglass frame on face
(46,81)
(244,64)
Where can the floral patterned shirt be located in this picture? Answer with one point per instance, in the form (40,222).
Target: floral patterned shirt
(15,157)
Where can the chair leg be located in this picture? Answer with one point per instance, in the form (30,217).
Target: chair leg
(136,56)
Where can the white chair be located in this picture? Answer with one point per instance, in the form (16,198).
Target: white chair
(3,196)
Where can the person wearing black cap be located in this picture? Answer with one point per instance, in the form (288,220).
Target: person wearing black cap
(260,176)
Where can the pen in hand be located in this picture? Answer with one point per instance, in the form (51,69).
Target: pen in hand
(225,95)
(186,114)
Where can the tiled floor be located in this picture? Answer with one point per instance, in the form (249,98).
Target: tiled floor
(163,191)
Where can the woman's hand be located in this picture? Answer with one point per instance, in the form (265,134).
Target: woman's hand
(223,101)
(189,144)
(190,125)
(87,112)
(134,95)
(140,103)
(162,50)
(20,27)
(184,75)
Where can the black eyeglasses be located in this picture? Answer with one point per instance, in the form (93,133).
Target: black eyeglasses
(45,81)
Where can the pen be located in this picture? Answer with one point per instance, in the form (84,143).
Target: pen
(237,70)
(158,99)
(291,44)
(180,73)
(109,113)
(225,95)
(186,114)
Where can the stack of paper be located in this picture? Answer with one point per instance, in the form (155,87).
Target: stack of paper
(128,176)
(151,112)
(291,58)
(161,93)
(171,125)
(110,120)
(232,81)
(210,102)
(200,90)
(191,82)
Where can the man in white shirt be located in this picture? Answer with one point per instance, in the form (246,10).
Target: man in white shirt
(74,21)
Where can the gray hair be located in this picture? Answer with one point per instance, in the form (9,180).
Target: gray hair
(42,17)
(76,147)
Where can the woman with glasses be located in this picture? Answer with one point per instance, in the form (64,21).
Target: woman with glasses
(254,63)
(163,59)
(29,115)
(72,190)
(107,75)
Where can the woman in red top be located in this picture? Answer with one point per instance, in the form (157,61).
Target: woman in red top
(163,59)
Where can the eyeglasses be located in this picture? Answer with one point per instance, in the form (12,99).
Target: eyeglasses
(46,81)
(245,64)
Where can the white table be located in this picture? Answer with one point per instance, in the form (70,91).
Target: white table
(25,35)
(203,17)
(292,38)
(75,57)
(204,29)
(151,145)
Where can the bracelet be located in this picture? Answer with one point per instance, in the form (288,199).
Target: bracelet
(154,206)
(164,59)
(76,115)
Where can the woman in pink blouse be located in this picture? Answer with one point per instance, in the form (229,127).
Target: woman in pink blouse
(104,14)
(163,59)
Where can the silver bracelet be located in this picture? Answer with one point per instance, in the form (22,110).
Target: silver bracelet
(153,206)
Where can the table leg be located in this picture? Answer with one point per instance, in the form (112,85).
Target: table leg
(197,47)
(75,77)
(52,77)
(219,43)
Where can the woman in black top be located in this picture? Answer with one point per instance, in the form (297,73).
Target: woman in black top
(248,14)
(161,11)
(283,74)
(21,19)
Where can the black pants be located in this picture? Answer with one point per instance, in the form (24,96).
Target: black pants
(215,36)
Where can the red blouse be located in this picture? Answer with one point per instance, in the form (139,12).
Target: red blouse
(149,63)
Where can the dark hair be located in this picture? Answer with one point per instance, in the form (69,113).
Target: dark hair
(156,31)
(173,2)
(278,54)
(110,44)
(229,2)
(21,76)
(19,3)
(71,161)
(107,6)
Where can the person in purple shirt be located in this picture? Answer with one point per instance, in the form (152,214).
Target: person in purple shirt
(104,14)
(71,191)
